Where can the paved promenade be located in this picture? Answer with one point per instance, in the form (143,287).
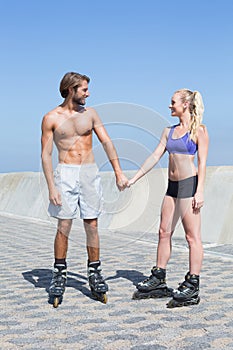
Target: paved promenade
(28,321)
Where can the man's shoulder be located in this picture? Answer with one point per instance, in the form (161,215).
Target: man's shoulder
(52,114)
(92,113)
(90,110)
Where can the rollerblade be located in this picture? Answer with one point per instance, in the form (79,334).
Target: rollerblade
(57,285)
(154,286)
(187,293)
(96,282)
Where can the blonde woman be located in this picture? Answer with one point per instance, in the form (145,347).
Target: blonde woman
(183,199)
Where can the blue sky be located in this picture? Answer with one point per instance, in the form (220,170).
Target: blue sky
(137,53)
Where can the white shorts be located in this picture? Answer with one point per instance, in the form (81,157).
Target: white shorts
(79,186)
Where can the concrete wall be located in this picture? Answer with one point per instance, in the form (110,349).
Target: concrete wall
(136,209)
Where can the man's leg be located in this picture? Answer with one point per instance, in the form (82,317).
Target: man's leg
(96,281)
(61,239)
(58,282)
(92,239)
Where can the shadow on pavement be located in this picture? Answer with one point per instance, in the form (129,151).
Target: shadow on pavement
(41,278)
(132,275)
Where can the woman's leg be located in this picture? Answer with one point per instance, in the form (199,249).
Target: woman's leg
(169,217)
(191,221)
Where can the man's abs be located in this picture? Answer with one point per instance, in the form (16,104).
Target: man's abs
(76,157)
(75,150)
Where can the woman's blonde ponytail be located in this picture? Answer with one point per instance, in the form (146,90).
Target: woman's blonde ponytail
(196,108)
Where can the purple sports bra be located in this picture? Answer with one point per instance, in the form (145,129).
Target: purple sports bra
(182,145)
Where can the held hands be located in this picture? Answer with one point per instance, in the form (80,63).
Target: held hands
(121,182)
(131,182)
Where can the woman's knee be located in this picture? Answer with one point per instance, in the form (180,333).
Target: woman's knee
(193,239)
(164,233)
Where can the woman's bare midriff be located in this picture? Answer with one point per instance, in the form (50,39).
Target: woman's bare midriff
(181,166)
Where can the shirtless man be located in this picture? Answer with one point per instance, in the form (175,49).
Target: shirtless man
(76,181)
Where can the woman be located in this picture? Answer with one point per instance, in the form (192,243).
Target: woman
(184,197)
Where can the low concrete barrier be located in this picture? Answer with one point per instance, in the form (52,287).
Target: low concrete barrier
(137,209)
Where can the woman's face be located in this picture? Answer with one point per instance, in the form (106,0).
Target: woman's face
(177,107)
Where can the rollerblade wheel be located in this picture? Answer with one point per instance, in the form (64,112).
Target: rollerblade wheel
(174,303)
(55,302)
(139,295)
(135,295)
(104,298)
(157,293)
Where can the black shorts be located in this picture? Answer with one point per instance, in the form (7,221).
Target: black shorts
(182,189)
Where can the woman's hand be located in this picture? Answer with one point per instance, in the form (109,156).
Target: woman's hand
(198,201)
(131,182)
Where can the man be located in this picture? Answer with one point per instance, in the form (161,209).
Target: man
(75,181)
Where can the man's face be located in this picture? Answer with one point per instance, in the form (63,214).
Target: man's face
(81,94)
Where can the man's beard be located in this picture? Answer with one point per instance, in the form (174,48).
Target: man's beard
(80,101)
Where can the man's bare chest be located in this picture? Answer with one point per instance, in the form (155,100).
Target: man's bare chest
(73,126)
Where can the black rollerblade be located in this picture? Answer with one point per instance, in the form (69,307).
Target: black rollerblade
(187,293)
(57,285)
(96,282)
(154,286)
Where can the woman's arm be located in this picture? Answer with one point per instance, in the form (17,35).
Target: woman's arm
(152,160)
(203,143)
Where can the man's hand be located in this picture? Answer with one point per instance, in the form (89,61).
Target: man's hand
(121,182)
(55,197)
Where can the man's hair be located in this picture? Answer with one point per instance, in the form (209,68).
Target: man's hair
(73,80)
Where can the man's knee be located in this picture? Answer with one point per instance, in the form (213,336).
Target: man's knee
(64,227)
(92,223)
(91,226)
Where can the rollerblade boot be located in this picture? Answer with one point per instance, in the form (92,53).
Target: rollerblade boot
(154,286)
(96,282)
(187,292)
(57,285)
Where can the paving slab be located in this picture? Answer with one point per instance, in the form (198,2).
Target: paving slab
(28,321)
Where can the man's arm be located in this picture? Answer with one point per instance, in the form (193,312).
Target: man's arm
(46,157)
(110,150)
